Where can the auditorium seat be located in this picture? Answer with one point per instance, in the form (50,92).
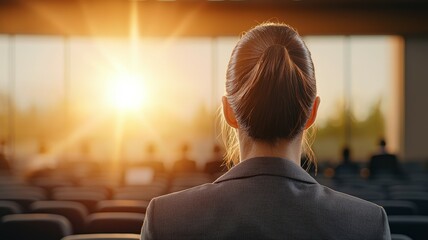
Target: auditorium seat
(420,199)
(9,207)
(35,227)
(89,199)
(400,237)
(83,189)
(413,226)
(145,193)
(114,222)
(108,180)
(408,187)
(49,183)
(110,236)
(421,178)
(24,199)
(417,194)
(122,206)
(75,212)
(40,192)
(6,179)
(386,180)
(398,207)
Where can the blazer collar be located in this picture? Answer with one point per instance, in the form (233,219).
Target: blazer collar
(267,166)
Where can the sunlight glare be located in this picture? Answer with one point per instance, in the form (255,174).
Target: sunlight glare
(128,93)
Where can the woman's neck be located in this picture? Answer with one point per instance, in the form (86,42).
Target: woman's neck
(288,149)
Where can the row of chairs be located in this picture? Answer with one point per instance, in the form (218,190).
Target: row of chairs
(76,213)
(93,199)
(36,225)
(112,236)
(90,197)
(55,226)
(163,183)
(414,227)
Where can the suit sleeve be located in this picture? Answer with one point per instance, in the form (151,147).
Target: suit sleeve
(383,232)
(148,231)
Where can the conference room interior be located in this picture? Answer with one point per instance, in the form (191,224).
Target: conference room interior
(106,104)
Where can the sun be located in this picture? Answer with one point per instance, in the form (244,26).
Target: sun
(127,93)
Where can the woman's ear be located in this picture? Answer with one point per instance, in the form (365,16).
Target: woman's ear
(314,112)
(228,114)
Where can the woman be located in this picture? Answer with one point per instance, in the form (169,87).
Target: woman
(270,101)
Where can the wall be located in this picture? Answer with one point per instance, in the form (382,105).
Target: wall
(415,143)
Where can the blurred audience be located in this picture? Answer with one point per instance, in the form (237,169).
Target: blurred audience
(145,171)
(216,164)
(347,167)
(383,162)
(151,160)
(184,164)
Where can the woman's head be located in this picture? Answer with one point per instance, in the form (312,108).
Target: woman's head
(270,83)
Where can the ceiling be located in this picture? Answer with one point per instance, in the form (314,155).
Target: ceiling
(211,18)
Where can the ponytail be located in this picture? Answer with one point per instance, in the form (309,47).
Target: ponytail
(270,86)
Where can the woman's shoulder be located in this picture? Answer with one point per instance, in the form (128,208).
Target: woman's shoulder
(201,191)
(347,204)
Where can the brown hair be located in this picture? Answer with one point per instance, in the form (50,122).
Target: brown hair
(270,84)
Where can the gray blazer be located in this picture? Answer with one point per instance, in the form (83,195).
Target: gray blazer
(264,198)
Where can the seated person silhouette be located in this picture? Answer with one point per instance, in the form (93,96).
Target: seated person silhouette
(383,163)
(151,159)
(184,164)
(216,164)
(145,171)
(346,167)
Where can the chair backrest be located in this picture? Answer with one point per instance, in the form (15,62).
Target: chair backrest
(83,189)
(114,222)
(399,237)
(407,187)
(41,192)
(75,212)
(135,206)
(134,196)
(105,236)
(416,227)
(88,199)
(9,207)
(138,192)
(35,227)
(7,179)
(49,183)
(24,199)
(398,207)
(420,199)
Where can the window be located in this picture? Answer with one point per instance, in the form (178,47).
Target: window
(61,91)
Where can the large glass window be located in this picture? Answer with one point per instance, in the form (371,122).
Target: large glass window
(4,87)
(356,76)
(114,96)
(38,91)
